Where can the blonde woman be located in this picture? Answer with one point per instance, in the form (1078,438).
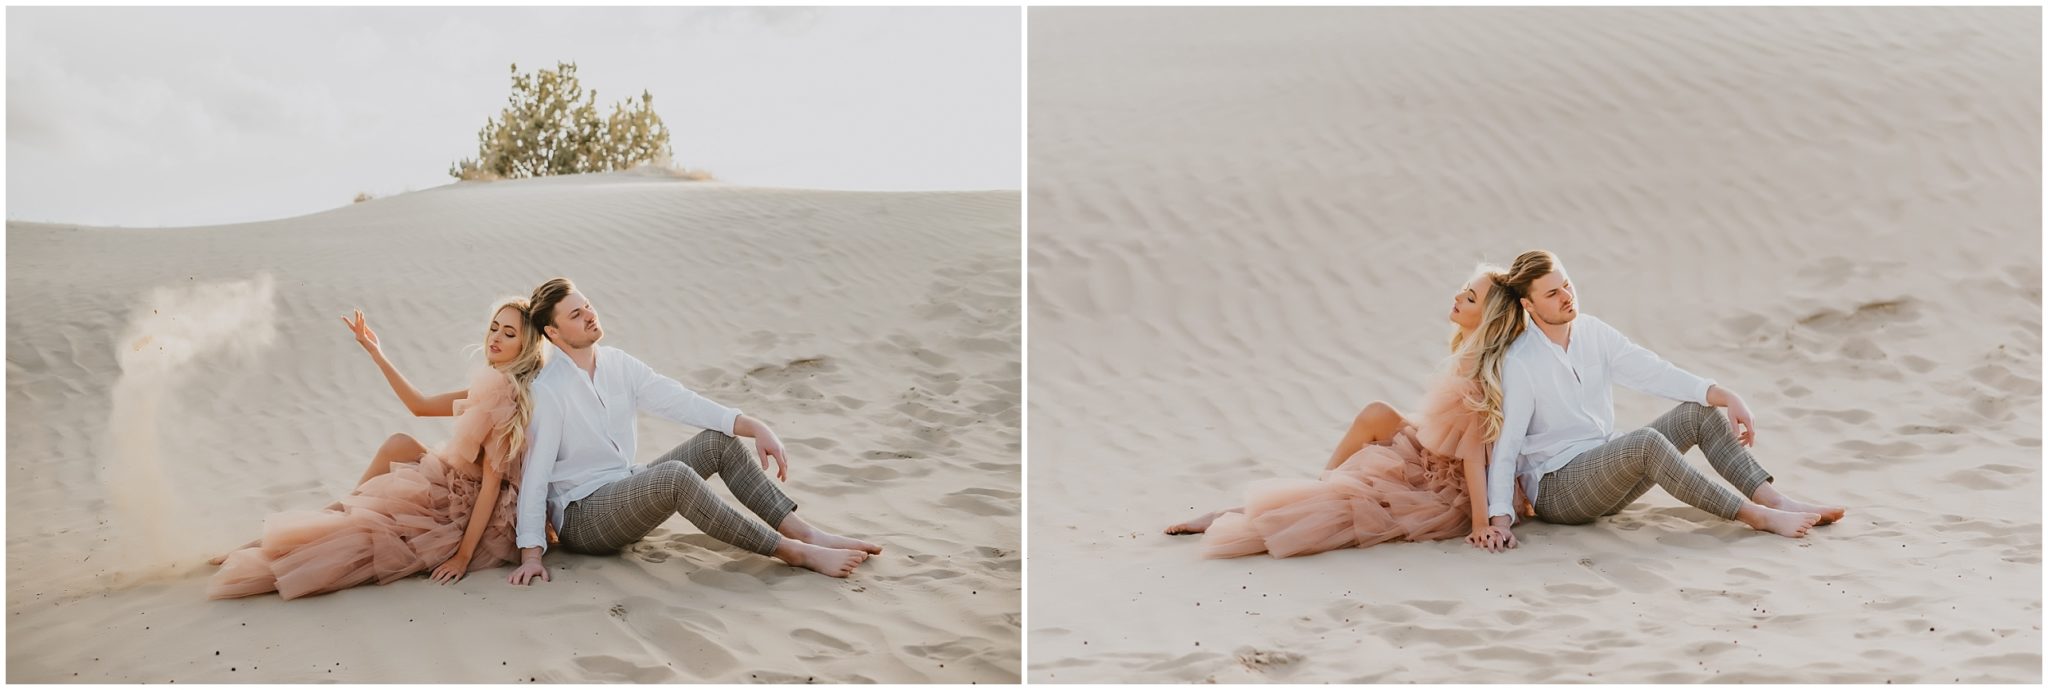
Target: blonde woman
(450,510)
(1390,478)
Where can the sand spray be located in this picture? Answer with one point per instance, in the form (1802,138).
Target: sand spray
(154,531)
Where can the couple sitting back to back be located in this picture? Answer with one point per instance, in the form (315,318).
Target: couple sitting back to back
(544,439)
(1519,424)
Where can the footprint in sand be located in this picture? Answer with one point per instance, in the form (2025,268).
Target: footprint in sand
(1918,364)
(1927,430)
(952,650)
(1985,479)
(1262,660)
(1626,575)
(815,443)
(696,651)
(1579,590)
(875,473)
(930,358)
(938,384)
(1435,607)
(793,370)
(1828,273)
(1865,318)
(1177,663)
(2003,378)
(1747,328)
(982,502)
(1385,613)
(822,645)
(927,414)
(612,669)
(1850,416)
(761,340)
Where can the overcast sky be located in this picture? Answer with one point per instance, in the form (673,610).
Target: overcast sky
(183,116)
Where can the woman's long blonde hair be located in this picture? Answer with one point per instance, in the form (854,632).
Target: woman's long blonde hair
(1460,338)
(1500,323)
(521,369)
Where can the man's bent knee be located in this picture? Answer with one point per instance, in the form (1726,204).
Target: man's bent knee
(1693,409)
(671,478)
(1646,437)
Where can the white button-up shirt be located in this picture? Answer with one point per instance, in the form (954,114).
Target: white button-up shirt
(582,436)
(1559,402)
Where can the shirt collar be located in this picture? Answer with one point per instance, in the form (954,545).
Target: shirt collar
(558,357)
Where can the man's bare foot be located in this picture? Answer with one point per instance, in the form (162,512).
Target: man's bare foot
(1768,495)
(1827,514)
(1782,523)
(820,559)
(795,528)
(1197,525)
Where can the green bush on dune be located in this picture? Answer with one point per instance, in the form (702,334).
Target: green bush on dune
(550,126)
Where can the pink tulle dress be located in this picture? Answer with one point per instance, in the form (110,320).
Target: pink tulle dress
(397,524)
(1411,488)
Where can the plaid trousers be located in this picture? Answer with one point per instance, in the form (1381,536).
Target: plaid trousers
(624,511)
(1604,480)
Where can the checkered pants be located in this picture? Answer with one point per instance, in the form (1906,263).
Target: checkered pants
(624,511)
(1604,480)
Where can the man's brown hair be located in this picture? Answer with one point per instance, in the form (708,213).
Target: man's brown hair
(545,298)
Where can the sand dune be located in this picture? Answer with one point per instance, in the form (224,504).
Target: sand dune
(1246,224)
(877,331)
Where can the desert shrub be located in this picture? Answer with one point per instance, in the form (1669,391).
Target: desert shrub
(550,126)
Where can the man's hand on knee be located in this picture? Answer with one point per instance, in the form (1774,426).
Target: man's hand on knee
(771,447)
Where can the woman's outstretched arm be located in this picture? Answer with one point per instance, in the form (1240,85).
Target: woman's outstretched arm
(420,404)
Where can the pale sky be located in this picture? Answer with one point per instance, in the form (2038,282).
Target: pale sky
(192,116)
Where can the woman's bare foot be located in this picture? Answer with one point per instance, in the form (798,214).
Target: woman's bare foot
(223,558)
(795,528)
(820,559)
(1782,523)
(1197,525)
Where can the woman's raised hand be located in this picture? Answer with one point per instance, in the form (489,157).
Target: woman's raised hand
(361,328)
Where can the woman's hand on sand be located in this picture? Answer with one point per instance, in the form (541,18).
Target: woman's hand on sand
(1494,537)
(361,328)
(530,571)
(452,570)
(1484,538)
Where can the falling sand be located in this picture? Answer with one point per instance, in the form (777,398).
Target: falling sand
(155,530)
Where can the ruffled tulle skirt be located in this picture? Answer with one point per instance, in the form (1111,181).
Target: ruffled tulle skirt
(1411,488)
(401,523)
(1397,491)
